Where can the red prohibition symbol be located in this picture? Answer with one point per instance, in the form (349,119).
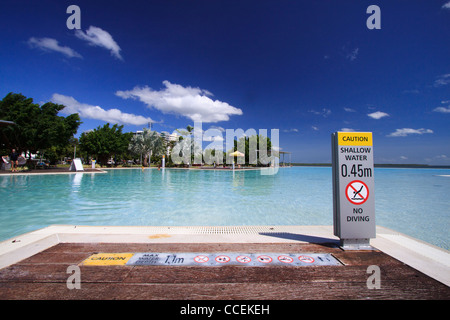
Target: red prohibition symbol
(222,259)
(264,259)
(243,259)
(357,192)
(201,259)
(306,259)
(285,259)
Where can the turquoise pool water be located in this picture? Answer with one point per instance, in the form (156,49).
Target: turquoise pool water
(412,201)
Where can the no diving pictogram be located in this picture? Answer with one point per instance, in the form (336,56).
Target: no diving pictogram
(357,192)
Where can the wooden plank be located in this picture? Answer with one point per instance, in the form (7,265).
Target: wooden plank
(55,257)
(229,274)
(262,274)
(189,247)
(365,258)
(44,276)
(222,291)
(58,273)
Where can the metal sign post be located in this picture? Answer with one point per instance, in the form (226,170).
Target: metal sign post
(353,189)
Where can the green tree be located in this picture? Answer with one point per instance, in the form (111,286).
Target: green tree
(104,142)
(147,144)
(185,150)
(37,128)
(54,154)
(248,145)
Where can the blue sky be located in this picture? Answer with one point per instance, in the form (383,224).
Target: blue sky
(307,68)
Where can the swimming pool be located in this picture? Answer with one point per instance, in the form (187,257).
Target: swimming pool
(412,201)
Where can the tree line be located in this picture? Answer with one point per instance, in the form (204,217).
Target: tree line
(39,130)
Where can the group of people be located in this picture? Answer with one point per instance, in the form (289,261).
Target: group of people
(13,159)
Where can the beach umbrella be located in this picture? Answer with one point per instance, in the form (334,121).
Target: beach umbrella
(236,154)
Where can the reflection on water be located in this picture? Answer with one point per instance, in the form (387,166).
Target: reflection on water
(76,182)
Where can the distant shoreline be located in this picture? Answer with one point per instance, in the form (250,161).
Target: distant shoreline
(379,165)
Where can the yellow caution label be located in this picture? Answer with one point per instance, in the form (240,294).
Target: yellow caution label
(355,139)
(108,259)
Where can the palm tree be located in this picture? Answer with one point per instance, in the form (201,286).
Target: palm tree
(147,143)
(185,150)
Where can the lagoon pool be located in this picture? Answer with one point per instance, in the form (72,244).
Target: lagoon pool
(412,201)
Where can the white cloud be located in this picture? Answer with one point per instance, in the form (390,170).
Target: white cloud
(446,5)
(378,115)
(290,130)
(347,130)
(442,109)
(221,129)
(406,131)
(189,102)
(315,128)
(216,137)
(442,80)
(349,110)
(275,148)
(49,44)
(101,38)
(353,54)
(324,112)
(98,113)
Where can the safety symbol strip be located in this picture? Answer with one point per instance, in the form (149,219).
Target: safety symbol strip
(212,259)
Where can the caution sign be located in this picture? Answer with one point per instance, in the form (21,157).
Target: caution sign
(355,138)
(108,259)
(178,259)
(357,192)
(353,186)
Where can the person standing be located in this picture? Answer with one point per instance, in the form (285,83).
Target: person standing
(14,159)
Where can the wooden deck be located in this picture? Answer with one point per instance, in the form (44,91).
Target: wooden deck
(44,276)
